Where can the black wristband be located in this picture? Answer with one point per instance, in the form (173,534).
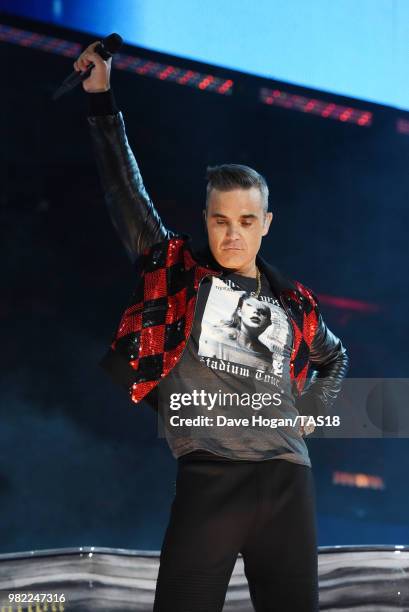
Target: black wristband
(102,103)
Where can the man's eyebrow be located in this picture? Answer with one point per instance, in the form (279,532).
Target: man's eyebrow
(248,216)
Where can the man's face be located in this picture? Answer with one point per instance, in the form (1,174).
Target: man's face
(235,225)
(254,315)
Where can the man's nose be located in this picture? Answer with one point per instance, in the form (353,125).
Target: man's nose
(233,231)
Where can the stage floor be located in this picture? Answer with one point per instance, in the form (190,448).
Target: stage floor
(358,578)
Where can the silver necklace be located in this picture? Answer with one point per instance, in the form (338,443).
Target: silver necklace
(258,278)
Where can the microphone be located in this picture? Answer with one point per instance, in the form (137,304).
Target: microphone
(106,48)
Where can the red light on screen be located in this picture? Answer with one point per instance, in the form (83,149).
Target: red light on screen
(314,106)
(131,63)
(359,480)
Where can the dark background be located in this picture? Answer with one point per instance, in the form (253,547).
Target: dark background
(79,463)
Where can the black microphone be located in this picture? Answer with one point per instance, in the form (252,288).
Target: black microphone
(106,48)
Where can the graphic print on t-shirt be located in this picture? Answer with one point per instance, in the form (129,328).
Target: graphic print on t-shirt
(239,328)
(236,366)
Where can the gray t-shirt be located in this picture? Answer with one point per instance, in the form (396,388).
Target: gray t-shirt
(233,378)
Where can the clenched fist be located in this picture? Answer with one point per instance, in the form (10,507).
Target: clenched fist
(99,78)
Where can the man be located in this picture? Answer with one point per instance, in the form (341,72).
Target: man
(247,489)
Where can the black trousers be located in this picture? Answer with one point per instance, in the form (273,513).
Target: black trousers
(263,509)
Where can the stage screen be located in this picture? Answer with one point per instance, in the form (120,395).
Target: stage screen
(358,49)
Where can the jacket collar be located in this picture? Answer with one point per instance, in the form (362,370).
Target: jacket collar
(204,257)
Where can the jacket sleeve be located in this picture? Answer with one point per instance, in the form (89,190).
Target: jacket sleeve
(131,210)
(330,362)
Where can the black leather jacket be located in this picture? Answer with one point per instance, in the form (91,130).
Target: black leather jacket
(139,227)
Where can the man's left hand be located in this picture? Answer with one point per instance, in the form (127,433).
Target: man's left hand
(306,430)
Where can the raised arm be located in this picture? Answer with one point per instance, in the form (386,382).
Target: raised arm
(129,205)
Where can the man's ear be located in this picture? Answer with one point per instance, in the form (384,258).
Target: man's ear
(204,218)
(267,221)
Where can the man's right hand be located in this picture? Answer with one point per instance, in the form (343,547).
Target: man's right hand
(99,79)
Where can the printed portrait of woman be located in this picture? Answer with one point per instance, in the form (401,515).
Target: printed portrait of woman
(243,337)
